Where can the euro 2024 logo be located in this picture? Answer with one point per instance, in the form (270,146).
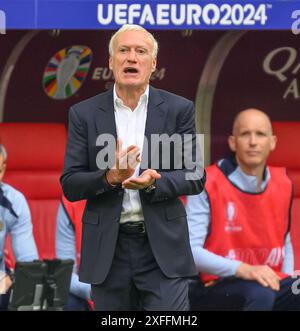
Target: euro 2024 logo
(66,71)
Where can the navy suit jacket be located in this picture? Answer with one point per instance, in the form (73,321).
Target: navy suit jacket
(164,213)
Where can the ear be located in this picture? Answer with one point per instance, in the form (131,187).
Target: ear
(273,143)
(232,143)
(2,172)
(110,63)
(153,64)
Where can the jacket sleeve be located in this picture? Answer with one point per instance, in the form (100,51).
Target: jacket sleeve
(77,181)
(177,182)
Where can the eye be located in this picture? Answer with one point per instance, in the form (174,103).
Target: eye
(261,134)
(244,134)
(141,51)
(122,50)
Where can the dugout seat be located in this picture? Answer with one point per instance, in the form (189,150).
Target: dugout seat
(287,155)
(34,165)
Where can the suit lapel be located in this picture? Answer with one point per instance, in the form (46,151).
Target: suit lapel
(105,115)
(156,114)
(156,118)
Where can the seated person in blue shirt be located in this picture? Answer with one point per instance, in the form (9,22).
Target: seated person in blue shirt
(240,226)
(68,246)
(15,220)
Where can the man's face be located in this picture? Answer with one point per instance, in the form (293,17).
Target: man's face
(2,167)
(132,62)
(252,139)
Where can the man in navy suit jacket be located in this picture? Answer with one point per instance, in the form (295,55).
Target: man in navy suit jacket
(135,245)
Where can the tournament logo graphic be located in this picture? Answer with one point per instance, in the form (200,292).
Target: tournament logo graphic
(66,72)
(231,225)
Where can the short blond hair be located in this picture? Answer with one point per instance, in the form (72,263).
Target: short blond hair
(133,27)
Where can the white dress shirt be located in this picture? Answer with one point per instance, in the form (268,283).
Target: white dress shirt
(131,130)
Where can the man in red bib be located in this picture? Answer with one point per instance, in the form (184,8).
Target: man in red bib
(239,227)
(68,246)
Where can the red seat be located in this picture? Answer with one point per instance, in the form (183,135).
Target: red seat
(287,155)
(35,160)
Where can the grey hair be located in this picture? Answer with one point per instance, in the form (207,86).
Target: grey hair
(133,27)
(3,152)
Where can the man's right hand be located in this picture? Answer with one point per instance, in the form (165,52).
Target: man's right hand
(126,162)
(262,274)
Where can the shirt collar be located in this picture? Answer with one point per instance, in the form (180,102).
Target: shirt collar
(231,169)
(251,181)
(118,102)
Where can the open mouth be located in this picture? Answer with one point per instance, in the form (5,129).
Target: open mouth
(130,70)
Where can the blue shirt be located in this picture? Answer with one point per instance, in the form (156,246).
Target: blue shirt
(66,249)
(15,219)
(198,214)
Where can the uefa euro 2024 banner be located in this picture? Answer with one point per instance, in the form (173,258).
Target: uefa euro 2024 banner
(155,14)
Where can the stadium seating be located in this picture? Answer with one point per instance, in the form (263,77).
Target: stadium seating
(35,160)
(287,155)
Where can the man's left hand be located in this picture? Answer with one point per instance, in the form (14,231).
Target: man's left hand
(146,179)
